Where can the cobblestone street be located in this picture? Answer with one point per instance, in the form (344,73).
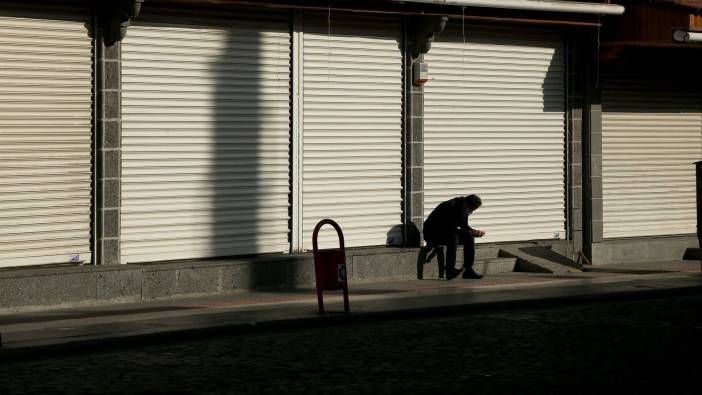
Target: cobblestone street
(649,346)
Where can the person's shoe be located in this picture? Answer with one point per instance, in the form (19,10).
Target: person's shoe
(470,273)
(452,272)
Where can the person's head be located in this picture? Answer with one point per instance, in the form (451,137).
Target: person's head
(472,202)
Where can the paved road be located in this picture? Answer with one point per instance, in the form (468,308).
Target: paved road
(647,346)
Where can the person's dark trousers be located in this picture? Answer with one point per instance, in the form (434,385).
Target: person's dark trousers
(452,240)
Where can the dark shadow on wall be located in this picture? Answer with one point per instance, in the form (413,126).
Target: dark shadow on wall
(660,74)
(651,135)
(251,170)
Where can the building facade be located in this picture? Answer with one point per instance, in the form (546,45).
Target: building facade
(651,134)
(147,131)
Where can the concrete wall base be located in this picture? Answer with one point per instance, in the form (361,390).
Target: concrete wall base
(70,286)
(649,249)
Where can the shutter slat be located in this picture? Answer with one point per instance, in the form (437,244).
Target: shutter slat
(45,140)
(494,126)
(206,133)
(651,135)
(352,129)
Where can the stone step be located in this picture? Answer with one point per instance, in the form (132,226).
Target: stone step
(495,266)
(482,266)
(484,252)
(539,259)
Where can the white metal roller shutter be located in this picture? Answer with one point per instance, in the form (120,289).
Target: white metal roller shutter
(45,140)
(205,139)
(651,135)
(352,133)
(494,125)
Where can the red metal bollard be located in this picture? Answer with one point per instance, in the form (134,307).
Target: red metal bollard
(330,266)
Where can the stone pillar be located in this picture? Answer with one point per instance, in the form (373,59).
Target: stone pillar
(574,114)
(413,152)
(109,160)
(592,146)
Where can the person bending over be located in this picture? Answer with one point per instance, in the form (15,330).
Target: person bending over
(448,225)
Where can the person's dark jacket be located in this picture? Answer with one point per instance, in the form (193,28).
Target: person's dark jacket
(449,216)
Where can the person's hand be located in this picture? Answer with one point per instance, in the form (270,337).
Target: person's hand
(477,233)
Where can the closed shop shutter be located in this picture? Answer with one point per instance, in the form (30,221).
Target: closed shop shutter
(352,133)
(45,139)
(651,135)
(205,138)
(494,125)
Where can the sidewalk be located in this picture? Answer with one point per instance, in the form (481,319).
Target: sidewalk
(70,330)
